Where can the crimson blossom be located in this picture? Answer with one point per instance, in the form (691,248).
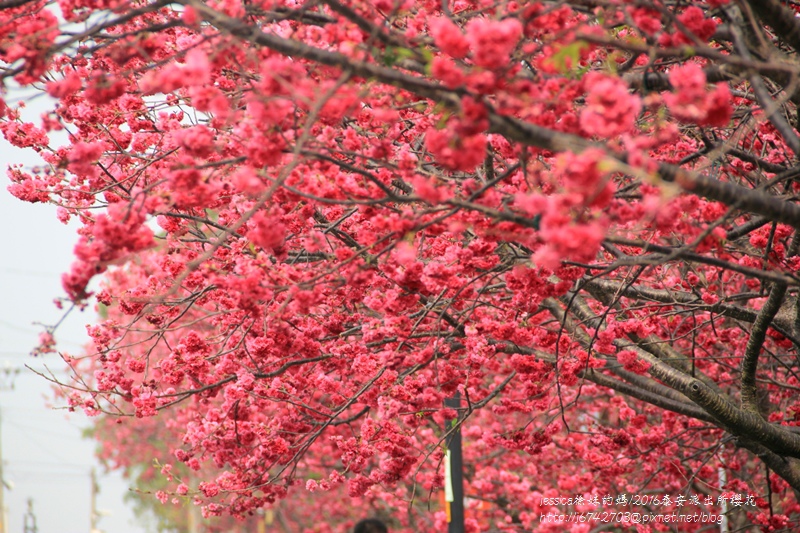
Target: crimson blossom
(315,221)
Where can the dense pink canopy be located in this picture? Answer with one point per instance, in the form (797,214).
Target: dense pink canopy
(313,222)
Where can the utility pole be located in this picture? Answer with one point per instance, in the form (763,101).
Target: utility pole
(454,470)
(93,514)
(3,528)
(193,518)
(6,382)
(30,519)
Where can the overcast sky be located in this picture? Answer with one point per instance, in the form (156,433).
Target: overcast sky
(44,456)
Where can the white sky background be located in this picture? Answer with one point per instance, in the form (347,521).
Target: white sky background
(44,455)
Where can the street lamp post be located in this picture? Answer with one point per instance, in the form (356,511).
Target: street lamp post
(454,470)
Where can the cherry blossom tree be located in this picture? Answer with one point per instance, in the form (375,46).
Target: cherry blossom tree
(314,222)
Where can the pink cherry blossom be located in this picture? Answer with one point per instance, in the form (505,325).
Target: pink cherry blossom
(448,37)
(308,229)
(491,42)
(610,109)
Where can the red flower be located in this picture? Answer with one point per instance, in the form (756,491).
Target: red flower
(448,37)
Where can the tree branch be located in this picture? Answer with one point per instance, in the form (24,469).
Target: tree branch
(642,389)
(779,18)
(776,209)
(734,420)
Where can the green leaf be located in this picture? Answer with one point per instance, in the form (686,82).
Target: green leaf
(212,215)
(567,59)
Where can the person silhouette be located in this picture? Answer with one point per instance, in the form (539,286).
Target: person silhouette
(370,525)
